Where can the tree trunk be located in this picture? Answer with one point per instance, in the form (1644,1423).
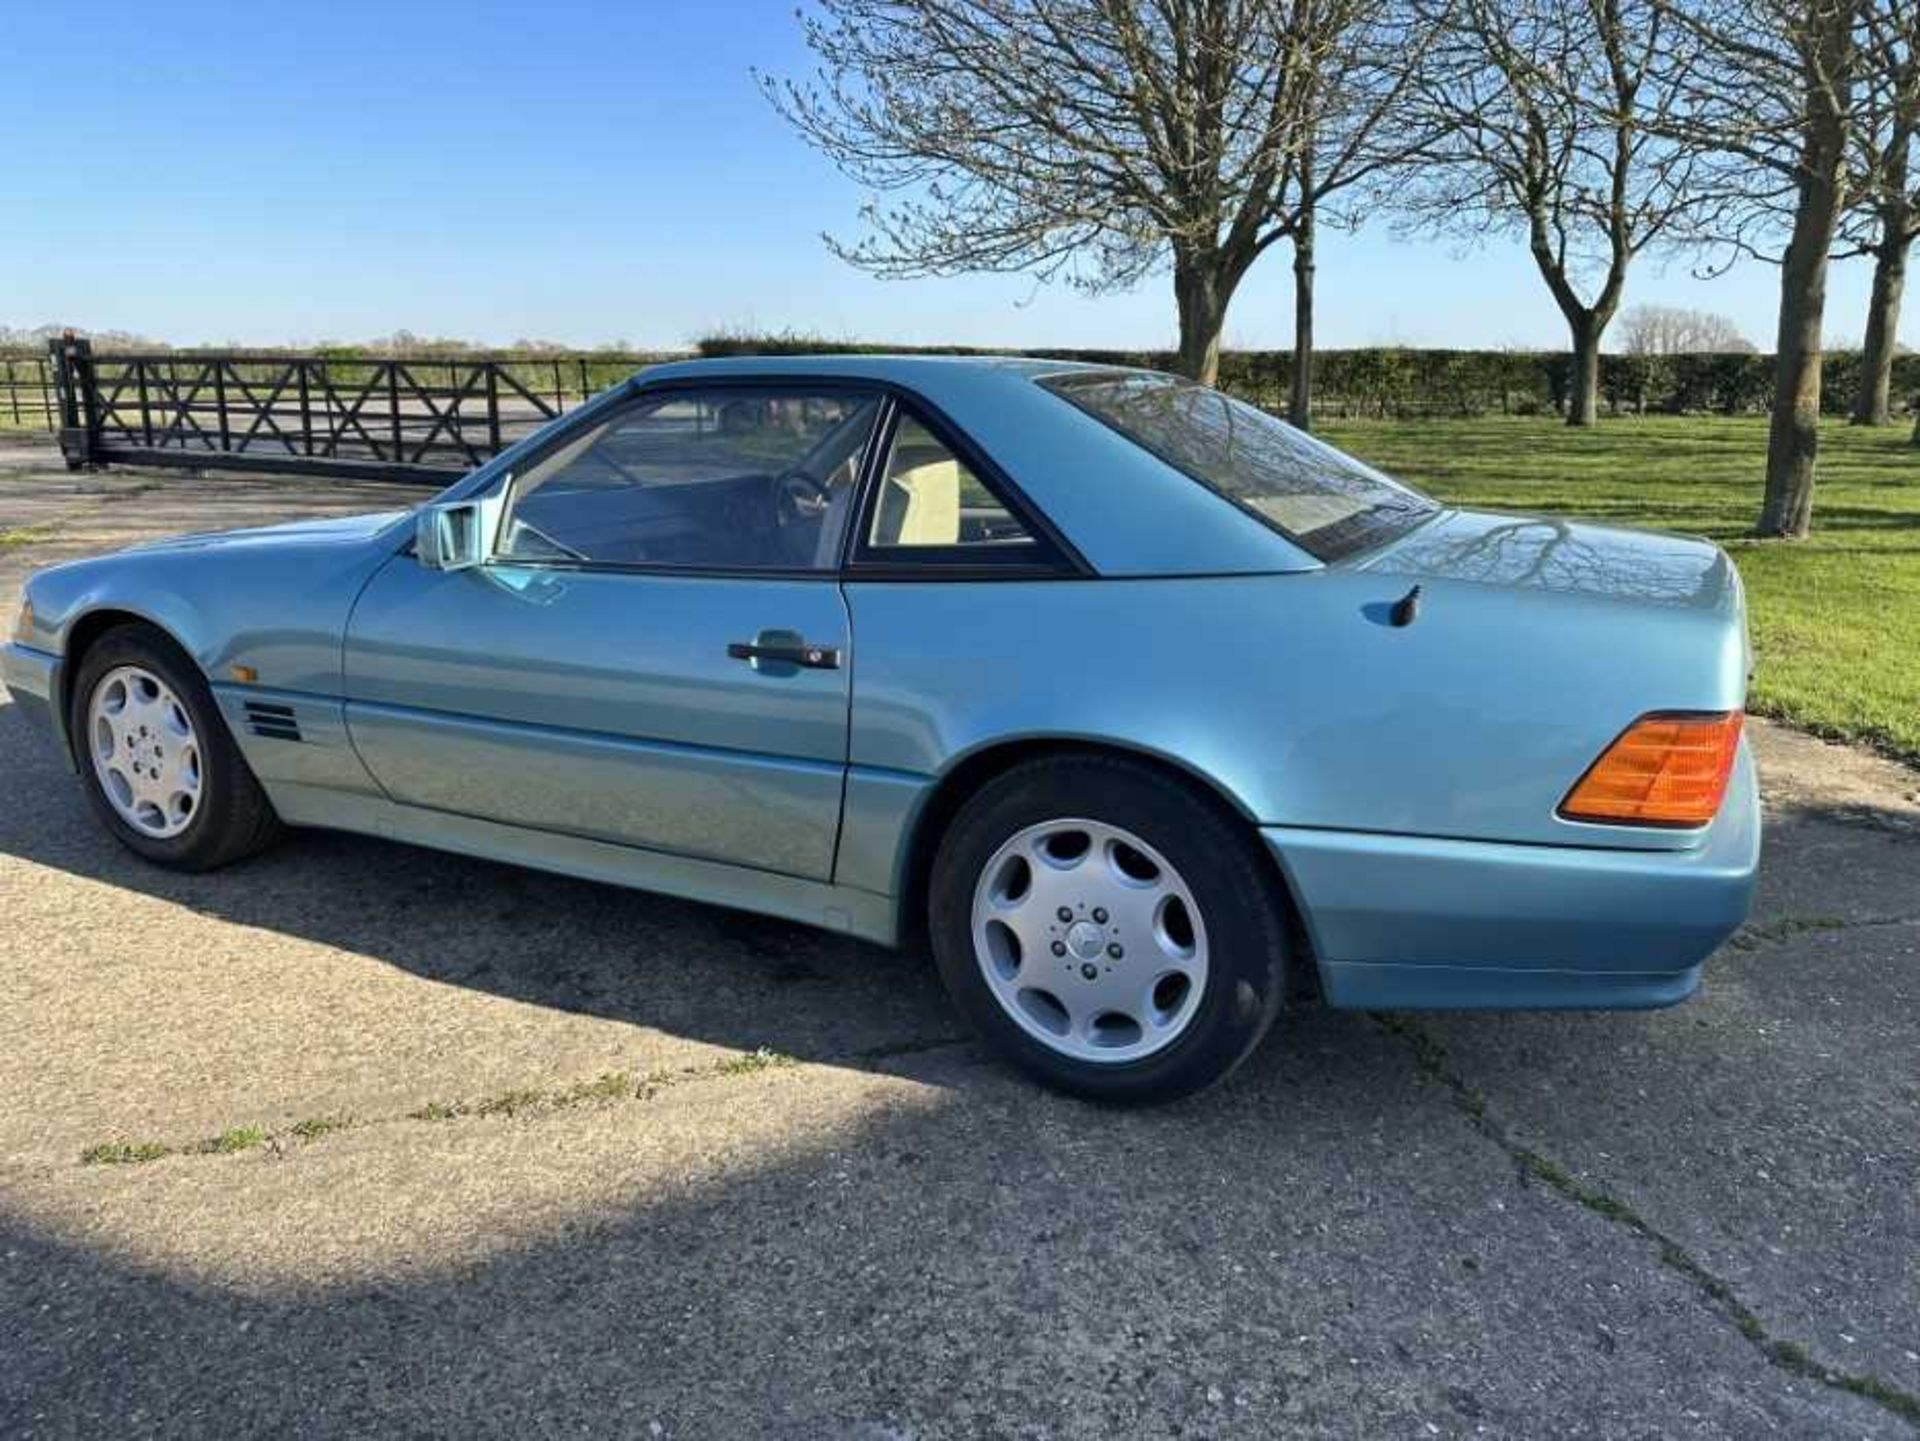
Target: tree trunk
(1583,395)
(1793,434)
(1202,298)
(1873,403)
(1586,323)
(1300,398)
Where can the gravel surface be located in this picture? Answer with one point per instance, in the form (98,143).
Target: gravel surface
(456,1148)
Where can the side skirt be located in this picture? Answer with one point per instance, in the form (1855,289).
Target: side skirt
(849,911)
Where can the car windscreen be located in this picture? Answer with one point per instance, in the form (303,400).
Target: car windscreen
(1324,501)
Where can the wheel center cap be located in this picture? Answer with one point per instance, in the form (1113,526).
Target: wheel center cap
(1084,939)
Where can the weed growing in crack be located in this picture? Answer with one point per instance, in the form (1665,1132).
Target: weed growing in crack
(762,1059)
(1789,1356)
(124,1153)
(314,1127)
(234,1139)
(1754,935)
(613,1086)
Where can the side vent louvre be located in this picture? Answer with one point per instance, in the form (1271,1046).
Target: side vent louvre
(273,722)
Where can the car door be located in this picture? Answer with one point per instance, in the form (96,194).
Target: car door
(655,652)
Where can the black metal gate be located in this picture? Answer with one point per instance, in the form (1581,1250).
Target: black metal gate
(26,392)
(422,419)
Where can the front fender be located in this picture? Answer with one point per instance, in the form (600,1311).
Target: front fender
(280,611)
(69,602)
(261,619)
(66,598)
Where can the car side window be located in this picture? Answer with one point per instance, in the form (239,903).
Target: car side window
(929,498)
(734,478)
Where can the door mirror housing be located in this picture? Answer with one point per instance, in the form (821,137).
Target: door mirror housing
(458,534)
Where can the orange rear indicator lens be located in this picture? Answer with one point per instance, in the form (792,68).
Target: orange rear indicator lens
(1666,770)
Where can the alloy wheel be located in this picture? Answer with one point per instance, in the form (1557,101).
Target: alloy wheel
(1090,940)
(145,753)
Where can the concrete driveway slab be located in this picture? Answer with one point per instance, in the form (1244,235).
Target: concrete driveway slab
(1327,1246)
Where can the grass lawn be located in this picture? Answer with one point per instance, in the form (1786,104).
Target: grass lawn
(1836,618)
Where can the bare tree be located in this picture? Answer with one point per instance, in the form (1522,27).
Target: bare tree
(1769,87)
(1558,116)
(1887,216)
(1092,141)
(1356,129)
(1678,330)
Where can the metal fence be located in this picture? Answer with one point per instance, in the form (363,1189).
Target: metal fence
(390,418)
(27,400)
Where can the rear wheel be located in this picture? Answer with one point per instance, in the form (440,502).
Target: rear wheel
(1117,935)
(155,757)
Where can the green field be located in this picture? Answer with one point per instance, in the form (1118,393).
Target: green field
(1836,619)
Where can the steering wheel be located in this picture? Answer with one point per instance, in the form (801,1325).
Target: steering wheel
(799,499)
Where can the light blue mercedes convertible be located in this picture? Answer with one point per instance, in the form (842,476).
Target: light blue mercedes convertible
(1146,710)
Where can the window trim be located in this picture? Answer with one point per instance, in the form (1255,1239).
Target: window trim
(1059,560)
(1046,555)
(1061,385)
(640,394)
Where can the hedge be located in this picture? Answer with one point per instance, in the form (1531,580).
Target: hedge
(1388,381)
(1395,381)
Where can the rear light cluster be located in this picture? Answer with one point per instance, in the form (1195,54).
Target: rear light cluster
(1668,769)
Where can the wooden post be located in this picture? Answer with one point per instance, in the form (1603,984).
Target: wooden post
(306,409)
(220,404)
(493,408)
(73,373)
(393,410)
(146,417)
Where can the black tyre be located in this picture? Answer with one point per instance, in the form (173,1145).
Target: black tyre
(1119,935)
(156,759)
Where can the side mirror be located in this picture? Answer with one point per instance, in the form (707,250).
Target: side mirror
(458,534)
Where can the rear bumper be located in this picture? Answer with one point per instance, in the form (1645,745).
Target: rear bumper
(33,680)
(1407,922)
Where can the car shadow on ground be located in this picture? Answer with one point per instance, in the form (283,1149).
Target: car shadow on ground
(726,977)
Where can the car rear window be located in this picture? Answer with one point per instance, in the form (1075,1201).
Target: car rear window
(1323,500)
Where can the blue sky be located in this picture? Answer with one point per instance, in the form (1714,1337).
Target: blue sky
(584,173)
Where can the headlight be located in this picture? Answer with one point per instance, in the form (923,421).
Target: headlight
(23,627)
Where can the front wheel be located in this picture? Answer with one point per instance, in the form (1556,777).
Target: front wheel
(155,758)
(1116,934)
